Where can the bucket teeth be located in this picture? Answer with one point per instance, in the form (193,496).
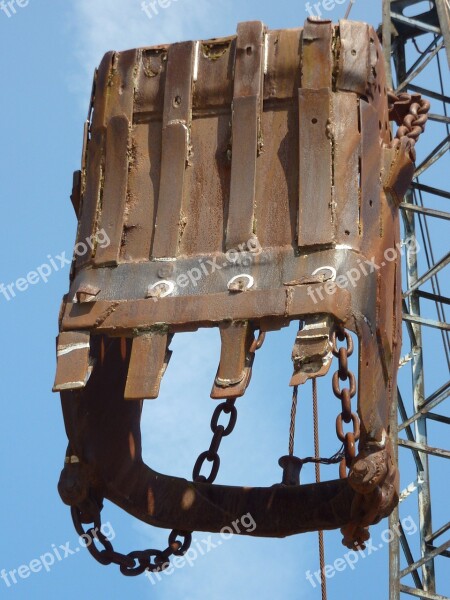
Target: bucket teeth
(236,360)
(150,356)
(73,362)
(312,350)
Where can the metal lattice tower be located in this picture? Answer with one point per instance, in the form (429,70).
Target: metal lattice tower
(420,420)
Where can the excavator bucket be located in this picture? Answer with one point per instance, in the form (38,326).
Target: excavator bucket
(238,183)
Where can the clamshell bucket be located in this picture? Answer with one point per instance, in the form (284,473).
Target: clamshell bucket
(238,183)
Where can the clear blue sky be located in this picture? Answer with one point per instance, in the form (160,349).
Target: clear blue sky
(48,53)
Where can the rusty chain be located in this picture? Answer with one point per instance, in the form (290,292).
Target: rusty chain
(134,563)
(345,395)
(137,562)
(410,112)
(219,432)
(348,451)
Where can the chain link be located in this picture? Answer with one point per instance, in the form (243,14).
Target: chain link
(410,112)
(345,395)
(137,562)
(258,342)
(219,432)
(134,563)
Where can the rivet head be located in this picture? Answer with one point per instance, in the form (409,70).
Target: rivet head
(86,293)
(160,289)
(165,271)
(326,272)
(241,283)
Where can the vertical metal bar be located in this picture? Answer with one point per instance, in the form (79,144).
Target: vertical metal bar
(425,523)
(394,518)
(394,47)
(443,11)
(387,45)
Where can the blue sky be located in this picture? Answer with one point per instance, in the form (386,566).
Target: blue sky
(48,53)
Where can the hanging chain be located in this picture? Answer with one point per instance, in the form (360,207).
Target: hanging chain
(136,563)
(410,112)
(345,395)
(219,432)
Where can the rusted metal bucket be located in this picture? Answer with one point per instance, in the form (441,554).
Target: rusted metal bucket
(232,183)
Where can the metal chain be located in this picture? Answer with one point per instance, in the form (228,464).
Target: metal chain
(134,563)
(410,112)
(345,395)
(219,432)
(137,562)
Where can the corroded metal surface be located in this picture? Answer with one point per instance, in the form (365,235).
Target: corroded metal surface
(236,180)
